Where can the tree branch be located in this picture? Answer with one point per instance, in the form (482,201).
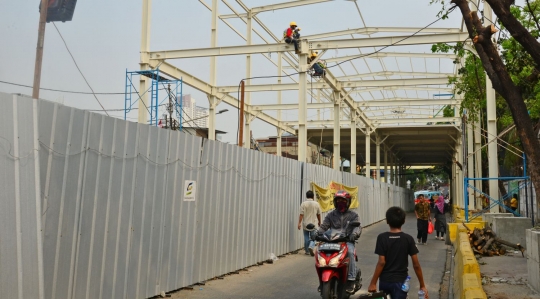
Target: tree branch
(518,31)
(503,84)
(532,14)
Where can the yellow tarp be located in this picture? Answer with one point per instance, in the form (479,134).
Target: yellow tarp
(325,196)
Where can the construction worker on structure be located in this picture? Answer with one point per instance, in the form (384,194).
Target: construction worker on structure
(292,35)
(319,66)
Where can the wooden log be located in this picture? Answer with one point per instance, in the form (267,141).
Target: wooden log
(502,251)
(488,244)
(509,244)
(477,234)
(479,242)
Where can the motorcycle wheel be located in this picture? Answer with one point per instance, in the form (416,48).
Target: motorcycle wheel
(328,289)
(340,292)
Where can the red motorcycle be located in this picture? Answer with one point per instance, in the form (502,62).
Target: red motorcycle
(332,264)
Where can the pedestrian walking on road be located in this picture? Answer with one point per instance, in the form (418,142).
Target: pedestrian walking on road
(441,208)
(393,248)
(423,216)
(310,212)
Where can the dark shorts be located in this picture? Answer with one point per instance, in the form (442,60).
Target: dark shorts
(393,289)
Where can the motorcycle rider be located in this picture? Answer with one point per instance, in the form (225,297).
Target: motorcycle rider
(338,219)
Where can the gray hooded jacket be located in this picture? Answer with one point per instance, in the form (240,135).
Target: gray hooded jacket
(337,220)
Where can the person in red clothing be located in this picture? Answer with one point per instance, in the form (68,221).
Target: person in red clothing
(291,36)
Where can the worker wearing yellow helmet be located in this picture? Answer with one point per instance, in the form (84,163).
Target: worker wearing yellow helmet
(292,35)
(319,66)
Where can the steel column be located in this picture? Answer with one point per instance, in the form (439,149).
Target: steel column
(302,107)
(459,177)
(353,145)
(470,164)
(279,98)
(491,127)
(378,156)
(385,164)
(337,136)
(368,153)
(145,48)
(247,125)
(213,74)
(478,158)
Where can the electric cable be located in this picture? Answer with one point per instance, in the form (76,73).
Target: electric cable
(66,91)
(76,65)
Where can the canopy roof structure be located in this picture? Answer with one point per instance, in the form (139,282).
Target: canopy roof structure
(384,92)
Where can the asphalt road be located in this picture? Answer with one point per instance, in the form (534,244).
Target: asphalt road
(294,276)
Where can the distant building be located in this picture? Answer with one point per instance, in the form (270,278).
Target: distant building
(289,149)
(193,115)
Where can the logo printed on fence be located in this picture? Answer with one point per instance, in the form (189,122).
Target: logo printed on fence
(189,190)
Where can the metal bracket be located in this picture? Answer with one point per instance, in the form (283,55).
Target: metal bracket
(253,116)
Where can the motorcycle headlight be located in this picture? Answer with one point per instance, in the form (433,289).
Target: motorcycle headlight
(334,262)
(322,261)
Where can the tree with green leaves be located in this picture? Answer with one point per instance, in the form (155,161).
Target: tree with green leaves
(512,64)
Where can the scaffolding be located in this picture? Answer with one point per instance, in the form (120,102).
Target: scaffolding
(155,103)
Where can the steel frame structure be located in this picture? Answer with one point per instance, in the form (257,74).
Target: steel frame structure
(339,93)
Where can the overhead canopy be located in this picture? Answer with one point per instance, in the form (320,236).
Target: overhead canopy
(414,145)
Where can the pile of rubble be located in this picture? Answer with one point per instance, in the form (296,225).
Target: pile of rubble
(485,242)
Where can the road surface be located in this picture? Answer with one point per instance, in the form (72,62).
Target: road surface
(294,276)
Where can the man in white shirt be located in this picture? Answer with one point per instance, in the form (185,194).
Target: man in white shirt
(310,212)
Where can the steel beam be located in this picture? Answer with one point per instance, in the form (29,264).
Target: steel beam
(419,88)
(315,45)
(273,7)
(388,74)
(372,30)
(291,106)
(200,85)
(380,121)
(394,54)
(338,84)
(406,102)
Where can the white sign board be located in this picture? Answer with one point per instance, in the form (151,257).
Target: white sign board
(190,188)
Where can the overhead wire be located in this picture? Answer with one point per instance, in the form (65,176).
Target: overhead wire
(66,91)
(76,65)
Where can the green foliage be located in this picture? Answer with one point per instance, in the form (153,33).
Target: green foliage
(470,83)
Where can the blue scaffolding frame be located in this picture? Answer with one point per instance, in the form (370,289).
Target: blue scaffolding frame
(493,201)
(153,108)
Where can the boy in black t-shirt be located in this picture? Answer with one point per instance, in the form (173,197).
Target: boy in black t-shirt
(393,248)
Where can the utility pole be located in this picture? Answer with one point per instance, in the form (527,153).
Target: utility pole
(39,49)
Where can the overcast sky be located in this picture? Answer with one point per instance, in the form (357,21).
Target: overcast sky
(104,38)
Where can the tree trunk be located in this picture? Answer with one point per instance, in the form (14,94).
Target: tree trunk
(504,85)
(518,31)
